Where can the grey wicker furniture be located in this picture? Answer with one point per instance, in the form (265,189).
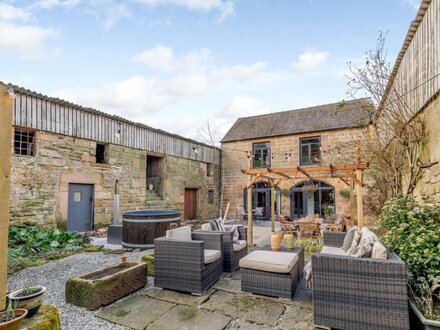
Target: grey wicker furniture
(232,258)
(358,293)
(180,265)
(274,284)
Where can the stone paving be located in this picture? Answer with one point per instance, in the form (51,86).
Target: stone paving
(224,306)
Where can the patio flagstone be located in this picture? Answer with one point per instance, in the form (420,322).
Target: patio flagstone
(228,284)
(245,307)
(184,317)
(178,297)
(135,312)
(244,325)
(297,317)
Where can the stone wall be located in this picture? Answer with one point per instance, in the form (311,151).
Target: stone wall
(39,189)
(428,189)
(338,147)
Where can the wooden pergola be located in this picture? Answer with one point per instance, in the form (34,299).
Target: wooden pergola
(345,172)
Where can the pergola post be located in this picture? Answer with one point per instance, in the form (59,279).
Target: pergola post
(6,102)
(360,205)
(272,204)
(250,233)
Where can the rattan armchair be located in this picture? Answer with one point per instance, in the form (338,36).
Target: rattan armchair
(180,265)
(358,293)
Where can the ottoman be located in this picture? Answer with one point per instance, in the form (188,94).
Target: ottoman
(270,273)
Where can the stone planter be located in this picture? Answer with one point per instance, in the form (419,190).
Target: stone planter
(31,302)
(106,285)
(418,321)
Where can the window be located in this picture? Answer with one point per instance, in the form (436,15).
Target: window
(210,196)
(261,153)
(209,170)
(24,142)
(101,153)
(310,153)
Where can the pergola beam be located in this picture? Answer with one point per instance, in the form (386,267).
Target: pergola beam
(280,174)
(338,176)
(311,169)
(355,179)
(300,169)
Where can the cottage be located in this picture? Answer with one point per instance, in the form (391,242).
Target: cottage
(309,137)
(67,161)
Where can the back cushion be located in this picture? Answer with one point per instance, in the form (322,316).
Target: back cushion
(349,239)
(181,234)
(355,242)
(379,251)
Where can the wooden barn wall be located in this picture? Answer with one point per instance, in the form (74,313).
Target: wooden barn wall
(41,114)
(417,76)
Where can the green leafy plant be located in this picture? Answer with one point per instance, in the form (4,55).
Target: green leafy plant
(310,245)
(413,232)
(344,192)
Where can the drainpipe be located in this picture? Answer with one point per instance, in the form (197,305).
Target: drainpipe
(116,204)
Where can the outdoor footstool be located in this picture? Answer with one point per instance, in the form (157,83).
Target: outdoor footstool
(270,273)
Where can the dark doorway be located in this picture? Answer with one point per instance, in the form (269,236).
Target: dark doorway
(80,207)
(304,203)
(154,173)
(190,204)
(261,199)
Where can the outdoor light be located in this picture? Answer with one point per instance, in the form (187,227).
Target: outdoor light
(118,134)
(248,154)
(196,151)
(287,156)
(11,92)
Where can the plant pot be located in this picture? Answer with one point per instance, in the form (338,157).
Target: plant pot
(30,302)
(275,242)
(289,241)
(15,323)
(418,321)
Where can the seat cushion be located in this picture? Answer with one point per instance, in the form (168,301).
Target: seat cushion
(181,234)
(333,250)
(239,245)
(211,255)
(269,261)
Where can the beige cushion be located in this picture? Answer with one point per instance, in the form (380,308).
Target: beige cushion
(211,255)
(239,245)
(333,250)
(379,251)
(206,227)
(269,261)
(181,234)
(365,246)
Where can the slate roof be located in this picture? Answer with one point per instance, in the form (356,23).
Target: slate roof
(340,115)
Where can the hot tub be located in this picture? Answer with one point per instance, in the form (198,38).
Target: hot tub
(140,228)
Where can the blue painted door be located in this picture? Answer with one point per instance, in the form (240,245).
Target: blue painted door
(80,207)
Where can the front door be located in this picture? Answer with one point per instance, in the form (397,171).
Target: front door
(190,204)
(80,207)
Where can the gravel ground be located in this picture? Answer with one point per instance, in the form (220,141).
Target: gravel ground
(54,275)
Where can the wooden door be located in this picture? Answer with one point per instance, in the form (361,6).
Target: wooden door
(190,204)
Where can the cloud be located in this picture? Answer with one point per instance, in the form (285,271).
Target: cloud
(226,8)
(114,13)
(49,4)
(26,41)
(309,61)
(10,13)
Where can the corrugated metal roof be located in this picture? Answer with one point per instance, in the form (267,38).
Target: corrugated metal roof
(346,114)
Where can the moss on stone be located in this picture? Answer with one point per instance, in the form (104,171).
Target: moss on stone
(48,318)
(93,248)
(149,260)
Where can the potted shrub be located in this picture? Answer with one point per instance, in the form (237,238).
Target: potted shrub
(28,298)
(412,231)
(12,317)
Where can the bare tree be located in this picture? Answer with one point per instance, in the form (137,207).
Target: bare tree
(394,146)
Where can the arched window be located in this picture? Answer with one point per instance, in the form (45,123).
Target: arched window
(306,200)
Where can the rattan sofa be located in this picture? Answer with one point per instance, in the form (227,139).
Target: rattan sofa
(180,265)
(358,293)
(232,258)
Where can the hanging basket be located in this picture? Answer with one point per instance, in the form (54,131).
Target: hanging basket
(309,187)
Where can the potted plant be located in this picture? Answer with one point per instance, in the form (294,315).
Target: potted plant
(412,231)
(12,317)
(28,298)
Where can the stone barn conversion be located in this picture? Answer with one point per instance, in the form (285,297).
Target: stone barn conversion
(315,136)
(67,160)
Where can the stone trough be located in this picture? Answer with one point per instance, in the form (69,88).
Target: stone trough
(106,285)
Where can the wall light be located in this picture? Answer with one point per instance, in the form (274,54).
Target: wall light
(196,151)
(11,92)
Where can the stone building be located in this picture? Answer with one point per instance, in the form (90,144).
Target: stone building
(67,160)
(415,82)
(308,137)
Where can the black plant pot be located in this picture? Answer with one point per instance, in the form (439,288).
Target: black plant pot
(418,321)
(30,302)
